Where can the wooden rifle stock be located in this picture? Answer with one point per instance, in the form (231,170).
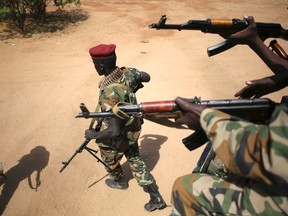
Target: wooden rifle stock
(275,47)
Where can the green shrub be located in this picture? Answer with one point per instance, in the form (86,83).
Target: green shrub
(17,10)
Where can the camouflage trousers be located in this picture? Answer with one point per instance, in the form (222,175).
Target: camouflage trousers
(112,157)
(202,194)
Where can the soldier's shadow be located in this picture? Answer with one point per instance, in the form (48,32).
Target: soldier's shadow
(149,149)
(35,161)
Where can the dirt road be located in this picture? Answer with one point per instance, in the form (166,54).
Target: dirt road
(44,79)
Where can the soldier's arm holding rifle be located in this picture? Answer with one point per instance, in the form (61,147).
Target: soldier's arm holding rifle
(250,37)
(111,131)
(191,113)
(222,26)
(278,65)
(245,149)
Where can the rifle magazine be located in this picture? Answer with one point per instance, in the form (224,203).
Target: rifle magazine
(195,140)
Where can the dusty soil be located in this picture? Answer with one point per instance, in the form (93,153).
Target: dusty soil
(44,77)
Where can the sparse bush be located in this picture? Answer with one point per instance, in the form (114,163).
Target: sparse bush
(15,10)
(37,9)
(18,10)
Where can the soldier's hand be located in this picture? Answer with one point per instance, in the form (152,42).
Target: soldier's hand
(91,134)
(135,123)
(246,36)
(191,113)
(260,87)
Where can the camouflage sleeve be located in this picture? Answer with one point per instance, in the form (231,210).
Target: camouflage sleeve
(251,150)
(136,73)
(133,78)
(111,96)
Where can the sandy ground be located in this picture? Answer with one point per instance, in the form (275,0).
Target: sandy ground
(44,79)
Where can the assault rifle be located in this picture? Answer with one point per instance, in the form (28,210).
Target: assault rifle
(218,26)
(254,110)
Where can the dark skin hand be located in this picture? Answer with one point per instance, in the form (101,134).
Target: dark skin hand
(260,87)
(247,36)
(191,113)
(113,130)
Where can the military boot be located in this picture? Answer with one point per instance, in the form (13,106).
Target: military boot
(156,201)
(117,184)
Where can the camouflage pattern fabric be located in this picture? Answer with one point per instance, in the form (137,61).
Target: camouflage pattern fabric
(112,157)
(113,150)
(256,153)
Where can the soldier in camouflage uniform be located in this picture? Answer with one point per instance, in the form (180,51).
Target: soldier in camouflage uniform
(257,154)
(119,135)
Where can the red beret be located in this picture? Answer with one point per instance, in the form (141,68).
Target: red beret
(102,50)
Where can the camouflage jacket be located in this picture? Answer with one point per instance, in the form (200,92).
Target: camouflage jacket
(123,91)
(259,152)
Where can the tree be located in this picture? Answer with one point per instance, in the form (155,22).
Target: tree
(37,9)
(16,12)
(19,9)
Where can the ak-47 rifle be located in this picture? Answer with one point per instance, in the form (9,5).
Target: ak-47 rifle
(254,110)
(218,26)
